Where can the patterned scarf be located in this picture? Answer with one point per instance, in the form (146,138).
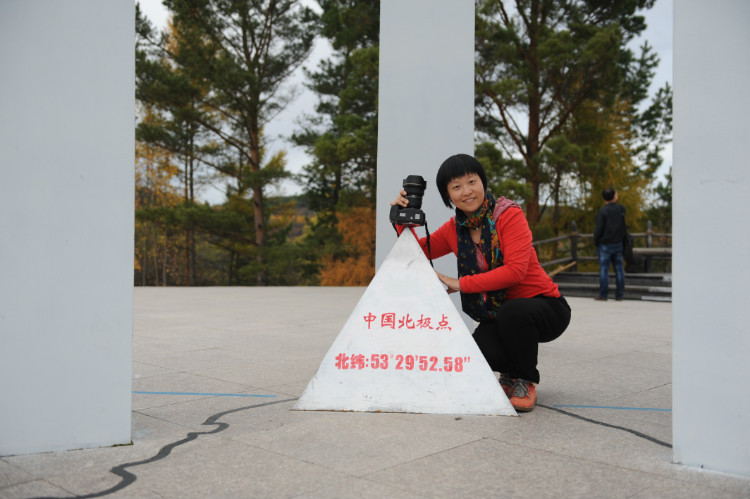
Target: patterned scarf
(479,306)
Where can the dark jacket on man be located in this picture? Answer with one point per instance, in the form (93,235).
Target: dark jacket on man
(610,224)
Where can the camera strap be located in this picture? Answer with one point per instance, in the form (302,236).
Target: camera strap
(429,251)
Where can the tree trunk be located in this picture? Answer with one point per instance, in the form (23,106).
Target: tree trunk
(164,259)
(144,261)
(260,234)
(535,104)
(532,156)
(258,218)
(230,270)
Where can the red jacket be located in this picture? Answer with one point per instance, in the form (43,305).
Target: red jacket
(520,275)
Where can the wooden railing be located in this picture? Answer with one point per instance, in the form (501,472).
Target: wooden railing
(580,247)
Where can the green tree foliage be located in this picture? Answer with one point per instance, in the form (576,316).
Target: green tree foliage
(660,212)
(342,137)
(169,101)
(563,109)
(218,77)
(560,93)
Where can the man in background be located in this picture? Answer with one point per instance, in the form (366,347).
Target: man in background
(609,233)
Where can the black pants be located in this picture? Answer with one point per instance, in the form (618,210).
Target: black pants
(510,342)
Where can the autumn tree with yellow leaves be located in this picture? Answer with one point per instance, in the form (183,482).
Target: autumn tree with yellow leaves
(357,266)
(156,246)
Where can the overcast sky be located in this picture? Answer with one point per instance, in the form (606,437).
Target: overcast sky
(658,34)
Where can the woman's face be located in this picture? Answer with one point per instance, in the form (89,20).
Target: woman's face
(466,193)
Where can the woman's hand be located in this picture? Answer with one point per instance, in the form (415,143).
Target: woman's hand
(452,283)
(400,200)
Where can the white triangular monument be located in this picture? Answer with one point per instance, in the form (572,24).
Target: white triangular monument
(405,348)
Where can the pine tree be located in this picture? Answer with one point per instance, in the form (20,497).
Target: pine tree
(225,65)
(542,67)
(342,136)
(172,126)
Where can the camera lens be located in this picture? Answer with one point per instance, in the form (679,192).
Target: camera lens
(414,185)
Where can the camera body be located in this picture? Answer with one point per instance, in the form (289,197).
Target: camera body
(412,215)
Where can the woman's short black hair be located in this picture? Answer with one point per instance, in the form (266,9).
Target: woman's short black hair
(457,166)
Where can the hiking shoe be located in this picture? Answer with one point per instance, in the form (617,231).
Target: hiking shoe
(523,395)
(506,382)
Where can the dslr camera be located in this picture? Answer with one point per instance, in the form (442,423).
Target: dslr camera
(412,215)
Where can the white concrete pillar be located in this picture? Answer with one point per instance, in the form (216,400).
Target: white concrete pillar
(711,295)
(426,104)
(66,223)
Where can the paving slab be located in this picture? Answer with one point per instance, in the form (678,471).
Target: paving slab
(216,373)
